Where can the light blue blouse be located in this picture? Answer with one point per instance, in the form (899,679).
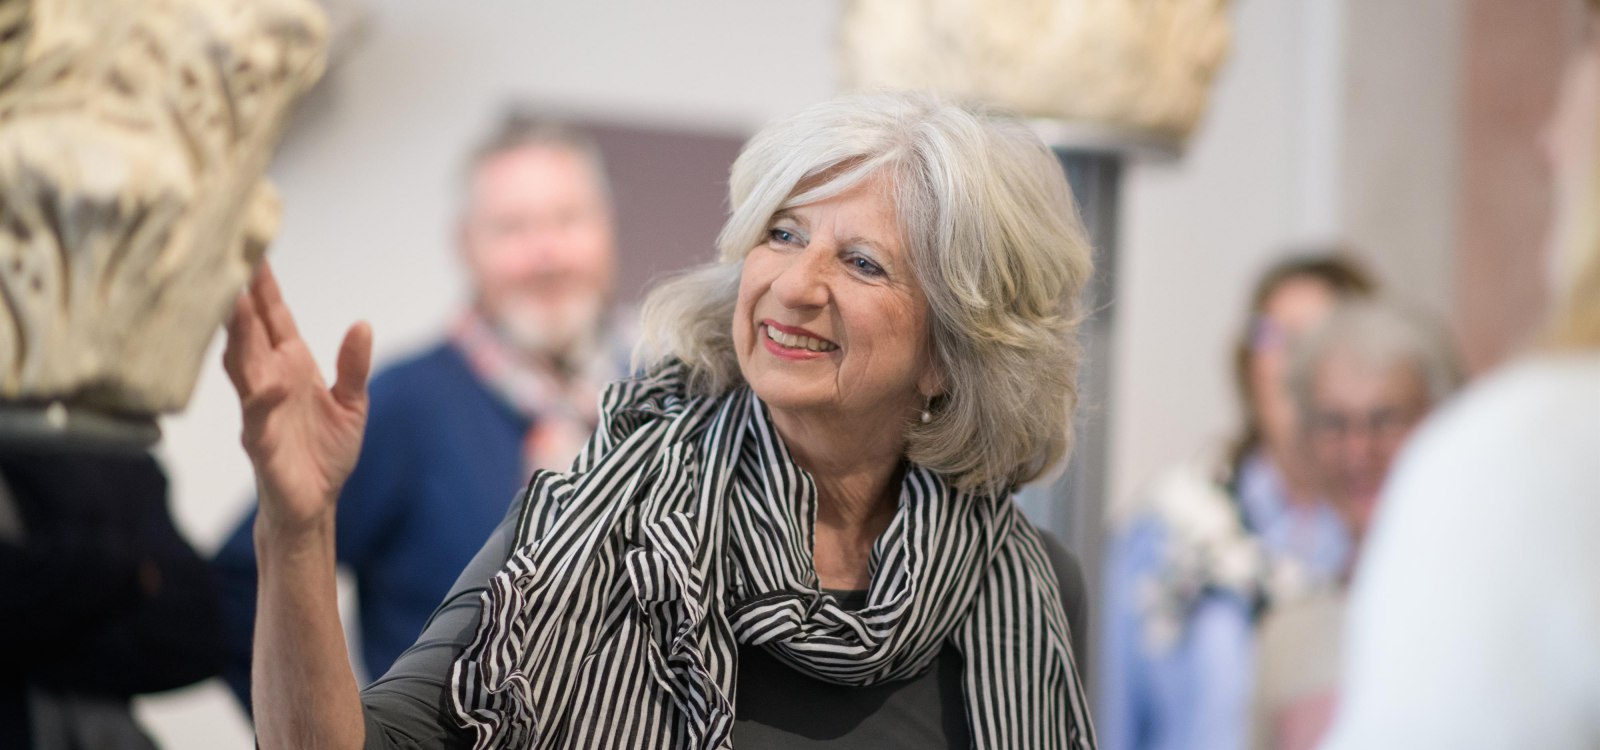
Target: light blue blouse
(1195,694)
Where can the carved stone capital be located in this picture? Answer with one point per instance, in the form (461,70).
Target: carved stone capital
(133,141)
(1144,65)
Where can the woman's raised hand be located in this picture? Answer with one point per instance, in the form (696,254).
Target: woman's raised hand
(303,437)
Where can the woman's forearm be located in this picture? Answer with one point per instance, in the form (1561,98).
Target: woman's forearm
(304,691)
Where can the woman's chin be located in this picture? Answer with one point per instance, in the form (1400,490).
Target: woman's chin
(788,400)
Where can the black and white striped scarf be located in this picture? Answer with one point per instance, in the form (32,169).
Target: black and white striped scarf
(683,530)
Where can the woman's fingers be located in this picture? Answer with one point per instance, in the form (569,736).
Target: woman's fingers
(261,324)
(247,345)
(269,302)
(355,362)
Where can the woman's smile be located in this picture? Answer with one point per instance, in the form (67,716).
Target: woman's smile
(794,343)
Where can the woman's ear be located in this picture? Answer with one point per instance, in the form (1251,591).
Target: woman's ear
(931,382)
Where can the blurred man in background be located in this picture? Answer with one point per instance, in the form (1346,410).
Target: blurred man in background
(455,431)
(1361,383)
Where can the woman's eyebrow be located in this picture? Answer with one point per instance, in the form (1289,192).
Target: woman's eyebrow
(877,247)
(789,215)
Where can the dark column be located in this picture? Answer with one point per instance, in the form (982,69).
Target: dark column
(1072,506)
(1078,498)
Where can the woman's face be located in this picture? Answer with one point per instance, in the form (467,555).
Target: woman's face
(1297,305)
(830,320)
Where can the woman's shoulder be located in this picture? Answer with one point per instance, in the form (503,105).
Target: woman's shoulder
(1065,564)
(662,395)
(1069,581)
(662,388)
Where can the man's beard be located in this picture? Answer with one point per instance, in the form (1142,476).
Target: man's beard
(562,333)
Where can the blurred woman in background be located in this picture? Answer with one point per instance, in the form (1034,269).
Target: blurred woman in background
(1475,616)
(1214,542)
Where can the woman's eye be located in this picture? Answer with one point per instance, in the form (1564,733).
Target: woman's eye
(784,236)
(866,266)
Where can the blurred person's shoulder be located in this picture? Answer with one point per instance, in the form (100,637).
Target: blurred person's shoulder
(1480,563)
(1535,420)
(1511,461)
(1303,632)
(1187,516)
(1541,391)
(431,365)
(420,386)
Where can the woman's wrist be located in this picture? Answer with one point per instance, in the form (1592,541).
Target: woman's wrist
(295,563)
(280,531)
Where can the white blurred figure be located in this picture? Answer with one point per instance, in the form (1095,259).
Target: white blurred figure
(1361,382)
(1475,618)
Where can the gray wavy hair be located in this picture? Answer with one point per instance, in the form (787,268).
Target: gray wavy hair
(1380,334)
(521,128)
(996,244)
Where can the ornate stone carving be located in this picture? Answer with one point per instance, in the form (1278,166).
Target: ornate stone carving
(1142,64)
(133,140)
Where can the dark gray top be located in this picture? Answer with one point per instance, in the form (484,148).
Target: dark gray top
(777,707)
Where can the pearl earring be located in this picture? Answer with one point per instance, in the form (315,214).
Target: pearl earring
(927,416)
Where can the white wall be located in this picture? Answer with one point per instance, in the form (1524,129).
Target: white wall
(1401,142)
(1334,120)
(1196,232)
(367,184)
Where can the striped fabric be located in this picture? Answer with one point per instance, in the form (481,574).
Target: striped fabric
(683,530)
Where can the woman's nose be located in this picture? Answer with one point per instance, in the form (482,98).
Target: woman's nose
(802,282)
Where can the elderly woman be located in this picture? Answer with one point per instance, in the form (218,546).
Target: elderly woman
(794,528)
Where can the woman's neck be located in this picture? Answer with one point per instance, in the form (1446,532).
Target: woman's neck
(857,470)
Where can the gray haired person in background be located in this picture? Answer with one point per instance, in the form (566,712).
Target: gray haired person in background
(1361,382)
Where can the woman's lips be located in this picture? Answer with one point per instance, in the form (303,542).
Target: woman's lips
(794,343)
(797,331)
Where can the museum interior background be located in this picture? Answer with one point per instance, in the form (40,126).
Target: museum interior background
(1406,129)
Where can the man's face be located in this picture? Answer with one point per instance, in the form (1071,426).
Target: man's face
(538,243)
(1360,417)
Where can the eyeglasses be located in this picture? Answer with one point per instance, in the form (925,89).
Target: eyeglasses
(1382,423)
